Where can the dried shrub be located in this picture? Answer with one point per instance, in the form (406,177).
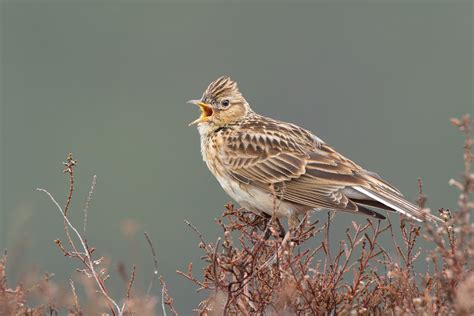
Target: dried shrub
(92,273)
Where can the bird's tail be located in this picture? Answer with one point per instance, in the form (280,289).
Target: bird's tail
(393,199)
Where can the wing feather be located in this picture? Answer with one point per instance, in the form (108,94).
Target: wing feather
(302,170)
(286,159)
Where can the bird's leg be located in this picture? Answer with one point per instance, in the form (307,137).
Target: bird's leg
(259,217)
(281,228)
(268,223)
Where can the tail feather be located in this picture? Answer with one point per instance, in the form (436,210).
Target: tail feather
(372,203)
(367,211)
(396,202)
(354,207)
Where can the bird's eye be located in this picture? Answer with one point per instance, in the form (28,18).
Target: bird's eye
(225,103)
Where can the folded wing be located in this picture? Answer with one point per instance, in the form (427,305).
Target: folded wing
(300,168)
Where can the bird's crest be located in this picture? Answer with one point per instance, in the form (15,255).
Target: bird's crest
(221,86)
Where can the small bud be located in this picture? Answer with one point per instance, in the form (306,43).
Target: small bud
(455,121)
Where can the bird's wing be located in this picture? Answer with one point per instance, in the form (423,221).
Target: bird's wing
(292,163)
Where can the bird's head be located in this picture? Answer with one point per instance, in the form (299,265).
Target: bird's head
(221,104)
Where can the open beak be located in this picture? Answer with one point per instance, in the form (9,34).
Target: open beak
(206,111)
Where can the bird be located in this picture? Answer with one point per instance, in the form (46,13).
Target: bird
(279,169)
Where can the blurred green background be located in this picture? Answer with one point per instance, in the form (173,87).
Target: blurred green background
(108,81)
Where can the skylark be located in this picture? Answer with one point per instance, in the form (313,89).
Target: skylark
(259,161)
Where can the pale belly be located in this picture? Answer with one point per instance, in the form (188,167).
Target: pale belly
(256,200)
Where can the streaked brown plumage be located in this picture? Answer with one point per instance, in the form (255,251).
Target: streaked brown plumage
(256,159)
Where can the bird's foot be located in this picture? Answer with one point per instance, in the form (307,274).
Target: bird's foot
(282,232)
(269,225)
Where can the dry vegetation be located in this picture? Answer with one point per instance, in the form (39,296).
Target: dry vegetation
(256,269)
